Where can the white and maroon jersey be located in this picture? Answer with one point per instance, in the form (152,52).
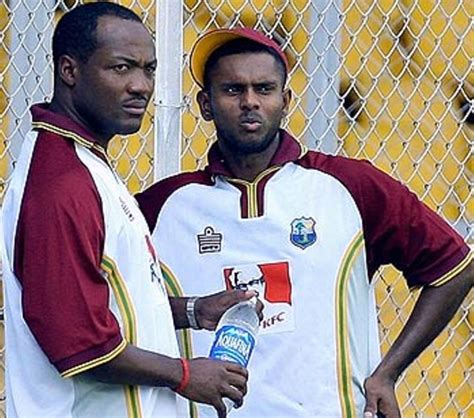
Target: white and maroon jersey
(308,233)
(80,281)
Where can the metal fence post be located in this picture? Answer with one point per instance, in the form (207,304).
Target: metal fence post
(168,96)
(323,65)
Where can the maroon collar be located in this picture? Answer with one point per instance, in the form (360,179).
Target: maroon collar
(289,149)
(43,117)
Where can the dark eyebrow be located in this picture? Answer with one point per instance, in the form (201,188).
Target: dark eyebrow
(258,84)
(132,61)
(267,83)
(152,62)
(231,84)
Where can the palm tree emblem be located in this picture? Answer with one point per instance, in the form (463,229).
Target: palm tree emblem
(303,232)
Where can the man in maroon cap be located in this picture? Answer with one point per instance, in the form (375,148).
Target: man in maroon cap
(317,227)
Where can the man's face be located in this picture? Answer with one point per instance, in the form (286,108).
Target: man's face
(246,101)
(116,83)
(248,277)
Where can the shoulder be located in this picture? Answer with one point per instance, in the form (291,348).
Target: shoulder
(333,164)
(57,177)
(152,199)
(398,228)
(358,176)
(376,194)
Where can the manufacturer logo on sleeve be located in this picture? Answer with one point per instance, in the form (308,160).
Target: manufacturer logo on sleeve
(303,233)
(126,209)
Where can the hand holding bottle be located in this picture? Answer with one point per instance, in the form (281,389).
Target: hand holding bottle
(236,336)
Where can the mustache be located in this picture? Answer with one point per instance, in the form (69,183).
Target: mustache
(139,100)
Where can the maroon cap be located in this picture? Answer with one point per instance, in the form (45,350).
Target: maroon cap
(214,39)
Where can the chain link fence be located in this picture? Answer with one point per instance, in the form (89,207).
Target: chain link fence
(390,81)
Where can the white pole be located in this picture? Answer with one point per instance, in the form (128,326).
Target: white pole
(168,96)
(323,97)
(30,71)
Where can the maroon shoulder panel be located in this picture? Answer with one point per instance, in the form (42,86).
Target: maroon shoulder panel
(58,251)
(398,228)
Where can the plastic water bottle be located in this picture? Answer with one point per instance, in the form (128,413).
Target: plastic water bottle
(236,335)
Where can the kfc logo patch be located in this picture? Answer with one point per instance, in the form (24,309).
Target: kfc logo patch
(273,283)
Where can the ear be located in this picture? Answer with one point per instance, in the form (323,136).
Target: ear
(205,105)
(67,70)
(286,101)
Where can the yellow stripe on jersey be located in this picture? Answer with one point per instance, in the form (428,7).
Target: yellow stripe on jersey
(132,396)
(96,362)
(252,203)
(127,312)
(72,135)
(129,321)
(346,395)
(174,289)
(454,272)
(251,187)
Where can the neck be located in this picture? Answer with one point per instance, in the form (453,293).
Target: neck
(249,166)
(63,108)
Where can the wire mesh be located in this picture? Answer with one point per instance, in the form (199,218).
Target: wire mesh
(403,84)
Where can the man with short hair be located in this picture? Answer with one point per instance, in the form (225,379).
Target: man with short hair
(90,330)
(317,227)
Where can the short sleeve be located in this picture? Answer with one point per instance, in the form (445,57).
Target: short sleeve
(401,230)
(398,228)
(58,249)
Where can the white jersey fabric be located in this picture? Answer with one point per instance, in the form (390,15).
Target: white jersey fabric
(40,382)
(303,236)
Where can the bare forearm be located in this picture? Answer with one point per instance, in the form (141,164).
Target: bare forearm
(135,366)
(433,310)
(178,308)
(206,380)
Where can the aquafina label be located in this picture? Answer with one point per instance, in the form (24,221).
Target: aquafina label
(233,343)
(235,336)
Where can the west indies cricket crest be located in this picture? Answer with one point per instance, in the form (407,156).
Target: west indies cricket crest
(303,233)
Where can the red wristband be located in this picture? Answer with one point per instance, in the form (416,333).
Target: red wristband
(185,378)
